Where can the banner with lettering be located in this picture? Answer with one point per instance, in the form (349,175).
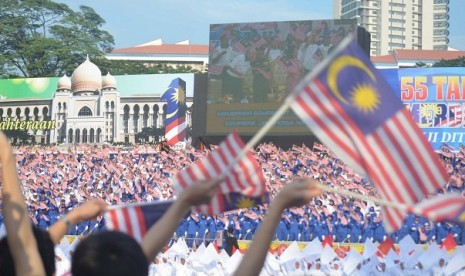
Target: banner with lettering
(435,96)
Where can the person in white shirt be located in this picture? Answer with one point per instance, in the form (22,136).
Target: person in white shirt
(235,73)
(223,54)
(275,51)
(306,52)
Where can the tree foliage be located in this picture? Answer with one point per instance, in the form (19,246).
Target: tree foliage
(458,62)
(130,67)
(19,137)
(149,134)
(41,38)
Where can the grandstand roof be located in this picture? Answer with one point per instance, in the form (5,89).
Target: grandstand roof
(408,58)
(181,53)
(158,46)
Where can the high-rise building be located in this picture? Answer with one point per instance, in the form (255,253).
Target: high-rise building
(399,24)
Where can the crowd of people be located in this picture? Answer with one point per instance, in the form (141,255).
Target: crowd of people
(66,190)
(55,180)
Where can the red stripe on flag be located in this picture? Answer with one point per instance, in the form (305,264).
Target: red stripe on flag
(114,220)
(402,152)
(127,221)
(307,107)
(140,220)
(241,178)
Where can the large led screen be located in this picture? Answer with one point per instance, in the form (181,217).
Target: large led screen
(254,66)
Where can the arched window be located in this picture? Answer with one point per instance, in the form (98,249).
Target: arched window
(85,112)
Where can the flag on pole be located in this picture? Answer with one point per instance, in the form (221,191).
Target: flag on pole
(446,207)
(244,184)
(135,219)
(350,107)
(449,243)
(175,124)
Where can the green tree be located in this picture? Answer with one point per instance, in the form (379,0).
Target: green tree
(149,135)
(421,64)
(130,67)
(458,62)
(19,137)
(41,38)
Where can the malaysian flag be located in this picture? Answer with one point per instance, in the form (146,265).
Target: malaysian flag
(288,65)
(350,107)
(244,183)
(452,116)
(215,69)
(175,124)
(318,56)
(258,43)
(239,47)
(446,207)
(135,219)
(293,66)
(298,32)
(264,73)
(281,64)
(438,115)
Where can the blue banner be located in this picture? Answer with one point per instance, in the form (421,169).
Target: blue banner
(435,97)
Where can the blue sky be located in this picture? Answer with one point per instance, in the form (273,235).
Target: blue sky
(138,21)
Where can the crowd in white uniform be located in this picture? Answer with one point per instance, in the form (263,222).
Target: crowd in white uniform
(313,259)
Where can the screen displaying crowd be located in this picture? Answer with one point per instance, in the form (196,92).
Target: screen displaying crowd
(55,180)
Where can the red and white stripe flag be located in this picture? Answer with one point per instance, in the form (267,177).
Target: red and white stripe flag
(243,177)
(135,219)
(446,207)
(350,107)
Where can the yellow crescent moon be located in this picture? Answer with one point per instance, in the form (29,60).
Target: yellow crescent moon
(339,64)
(462,217)
(170,115)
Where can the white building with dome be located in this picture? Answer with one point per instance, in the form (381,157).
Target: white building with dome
(88,108)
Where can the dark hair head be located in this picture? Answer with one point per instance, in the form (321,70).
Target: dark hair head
(46,251)
(230,229)
(109,253)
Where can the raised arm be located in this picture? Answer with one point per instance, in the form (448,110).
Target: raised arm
(294,194)
(89,210)
(20,238)
(160,232)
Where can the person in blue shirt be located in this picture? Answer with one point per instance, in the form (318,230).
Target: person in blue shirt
(371,213)
(192,230)
(320,230)
(202,230)
(379,232)
(234,222)
(306,228)
(359,212)
(331,226)
(455,231)
(368,229)
(294,229)
(342,231)
(247,226)
(182,228)
(355,231)
(442,231)
(402,232)
(282,231)
(211,230)
(429,231)
(414,228)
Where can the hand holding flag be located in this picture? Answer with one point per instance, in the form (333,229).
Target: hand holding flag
(243,184)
